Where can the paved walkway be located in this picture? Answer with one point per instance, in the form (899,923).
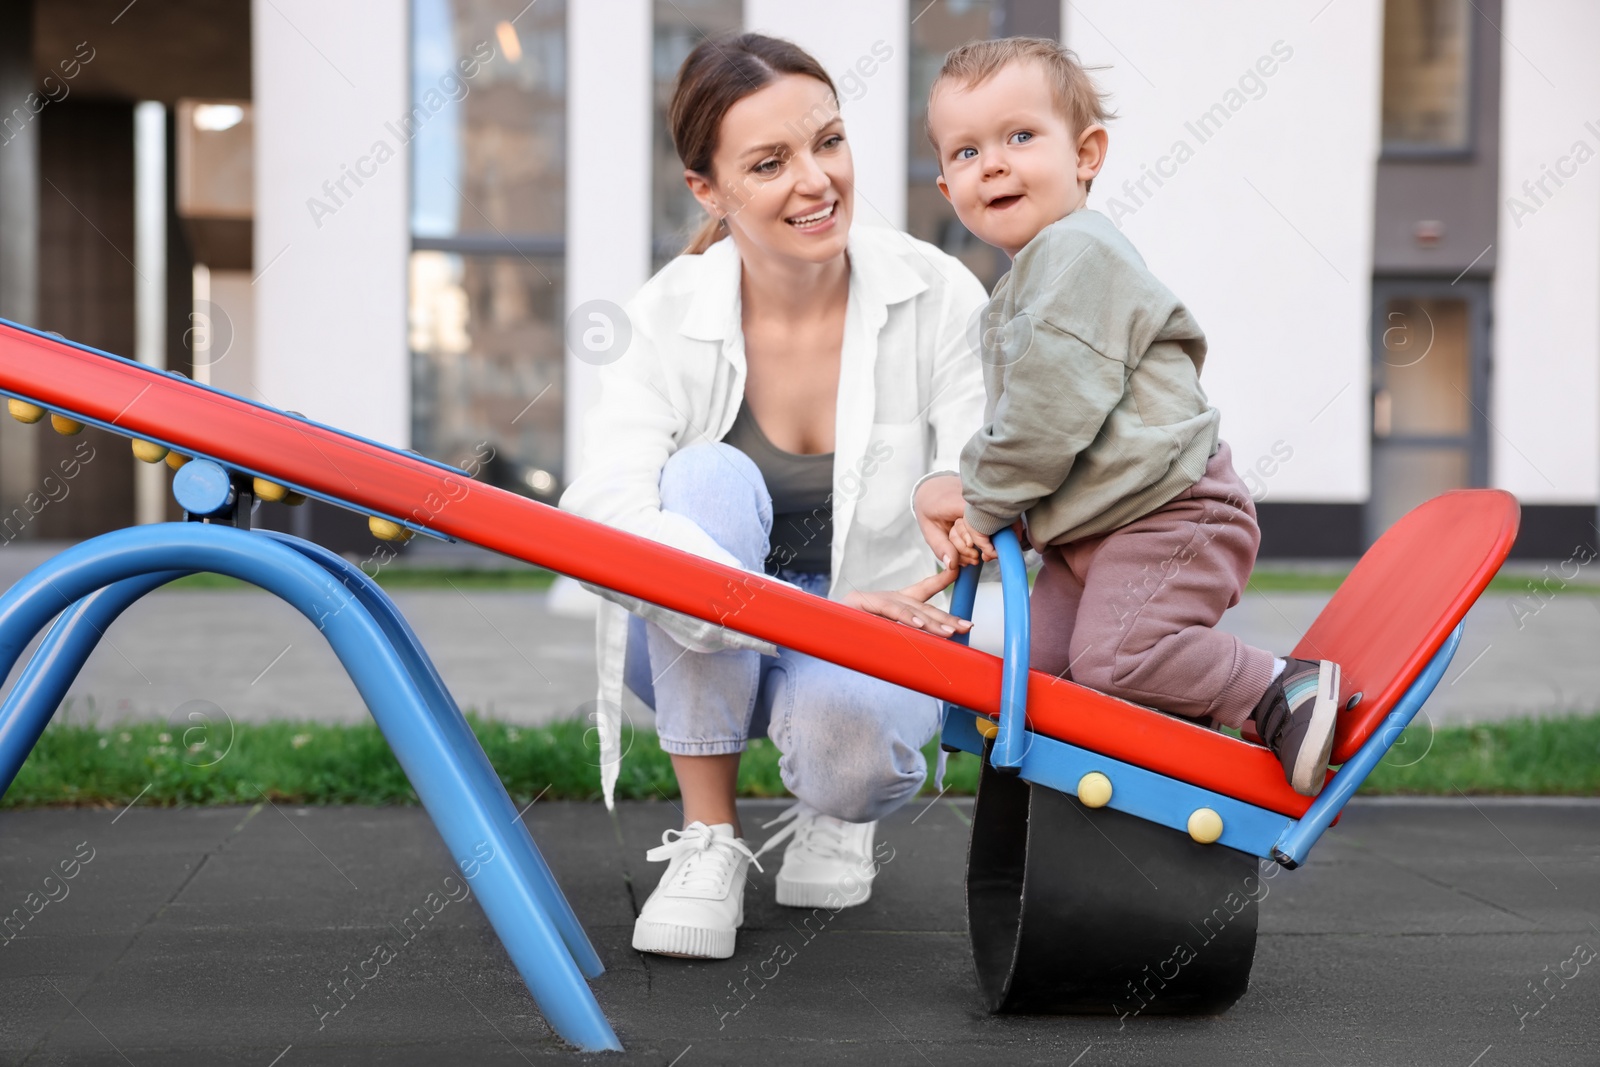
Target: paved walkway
(521,657)
(1415,935)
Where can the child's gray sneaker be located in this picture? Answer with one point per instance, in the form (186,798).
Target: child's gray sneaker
(1296,718)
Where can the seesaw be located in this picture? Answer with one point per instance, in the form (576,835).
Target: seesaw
(1057,923)
(1095,885)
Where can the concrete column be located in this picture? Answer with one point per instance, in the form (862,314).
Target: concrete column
(866,50)
(609,74)
(332,226)
(19,226)
(150,282)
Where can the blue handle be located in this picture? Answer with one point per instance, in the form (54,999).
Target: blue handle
(1009,744)
(963,598)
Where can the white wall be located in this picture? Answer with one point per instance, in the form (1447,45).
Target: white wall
(870,40)
(608,177)
(1265,230)
(233,367)
(331,290)
(1546,396)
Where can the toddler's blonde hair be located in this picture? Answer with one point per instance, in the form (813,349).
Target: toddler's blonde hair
(1077,98)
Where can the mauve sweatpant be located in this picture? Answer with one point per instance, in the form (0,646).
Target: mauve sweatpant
(1133,612)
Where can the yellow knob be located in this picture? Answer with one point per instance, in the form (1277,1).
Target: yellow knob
(1094,790)
(987,727)
(149,451)
(294,499)
(65,426)
(174,460)
(23,411)
(269,491)
(384,530)
(1205,825)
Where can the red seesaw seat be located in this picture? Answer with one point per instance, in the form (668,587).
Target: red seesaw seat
(1404,597)
(1382,626)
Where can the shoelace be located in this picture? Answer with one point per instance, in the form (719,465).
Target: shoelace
(809,830)
(699,841)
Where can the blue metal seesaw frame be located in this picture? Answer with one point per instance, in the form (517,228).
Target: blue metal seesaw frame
(92,583)
(1155,797)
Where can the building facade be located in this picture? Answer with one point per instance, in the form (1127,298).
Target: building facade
(416,218)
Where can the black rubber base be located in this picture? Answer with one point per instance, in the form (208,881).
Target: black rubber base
(1090,911)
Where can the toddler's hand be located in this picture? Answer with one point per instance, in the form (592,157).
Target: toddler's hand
(971,546)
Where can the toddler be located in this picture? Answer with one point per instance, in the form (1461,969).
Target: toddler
(1096,432)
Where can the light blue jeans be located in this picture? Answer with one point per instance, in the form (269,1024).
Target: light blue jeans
(851,744)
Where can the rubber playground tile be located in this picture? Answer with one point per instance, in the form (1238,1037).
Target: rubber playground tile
(1428,976)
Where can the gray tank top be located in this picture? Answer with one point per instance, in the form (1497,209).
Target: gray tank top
(801,487)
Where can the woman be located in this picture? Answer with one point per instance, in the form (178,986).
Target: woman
(789,383)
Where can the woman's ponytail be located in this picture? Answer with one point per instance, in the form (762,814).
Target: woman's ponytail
(709,233)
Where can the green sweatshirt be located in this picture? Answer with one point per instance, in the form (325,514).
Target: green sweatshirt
(1095,415)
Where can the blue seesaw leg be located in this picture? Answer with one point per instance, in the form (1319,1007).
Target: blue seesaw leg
(425,677)
(73,638)
(452,794)
(60,656)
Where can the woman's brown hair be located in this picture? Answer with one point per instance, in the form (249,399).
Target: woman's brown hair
(719,73)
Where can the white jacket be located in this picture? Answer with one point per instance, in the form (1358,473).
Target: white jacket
(910,395)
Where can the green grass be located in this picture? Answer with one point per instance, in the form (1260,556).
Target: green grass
(1545,756)
(304,763)
(1265,580)
(1276,581)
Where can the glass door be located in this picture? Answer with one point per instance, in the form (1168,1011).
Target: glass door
(1430,394)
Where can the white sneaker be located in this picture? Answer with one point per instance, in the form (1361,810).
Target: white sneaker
(699,905)
(828,862)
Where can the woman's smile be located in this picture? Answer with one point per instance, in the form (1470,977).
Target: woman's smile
(814,221)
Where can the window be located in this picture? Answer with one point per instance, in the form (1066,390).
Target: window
(1430,375)
(679,26)
(1426,76)
(487,134)
(936,30)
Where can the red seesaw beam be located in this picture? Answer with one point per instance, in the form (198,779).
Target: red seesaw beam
(201,421)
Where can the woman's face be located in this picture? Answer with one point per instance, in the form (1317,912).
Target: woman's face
(782,176)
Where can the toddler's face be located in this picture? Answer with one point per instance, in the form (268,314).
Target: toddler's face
(1011,163)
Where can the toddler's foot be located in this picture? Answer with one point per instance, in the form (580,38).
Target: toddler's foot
(1296,717)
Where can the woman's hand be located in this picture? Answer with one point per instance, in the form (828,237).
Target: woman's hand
(910,606)
(938,505)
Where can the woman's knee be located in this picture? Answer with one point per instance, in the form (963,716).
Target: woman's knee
(854,762)
(720,490)
(711,471)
